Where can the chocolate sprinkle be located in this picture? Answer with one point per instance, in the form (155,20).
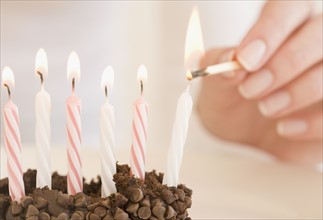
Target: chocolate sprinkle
(135,199)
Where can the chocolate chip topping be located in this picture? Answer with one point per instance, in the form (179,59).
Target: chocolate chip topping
(64,199)
(145,201)
(79,200)
(41,203)
(120,215)
(100,211)
(62,216)
(159,211)
(91,207)
(106,203)
(16,208)
(78,215)
(135,199)
(44,216)
(144,212)
(31,211)
(26,201)
(170,212)
(135,194)
(132,207)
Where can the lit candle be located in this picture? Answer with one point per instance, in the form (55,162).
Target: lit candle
(194,49)
(73,112)
(107,139)
(138,148)
(12,140)
(42,132)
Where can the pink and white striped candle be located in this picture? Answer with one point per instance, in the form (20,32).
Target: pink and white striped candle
(73,112)
(12,141)
(138,148)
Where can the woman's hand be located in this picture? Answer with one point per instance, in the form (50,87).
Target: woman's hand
(276,104)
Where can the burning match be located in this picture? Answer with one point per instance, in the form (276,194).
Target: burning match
(214,70)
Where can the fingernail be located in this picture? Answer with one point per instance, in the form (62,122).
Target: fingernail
(256,84)
(292,127)
(226,57)
(251,54)
(275,103)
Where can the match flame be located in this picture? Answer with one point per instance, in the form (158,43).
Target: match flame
(8,77)
(41,64)
(107,79)
(194,46)
(142,74)
(73,66)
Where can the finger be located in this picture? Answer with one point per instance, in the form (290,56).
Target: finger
(302,51)
(301,93)
(276,22)
(307,127)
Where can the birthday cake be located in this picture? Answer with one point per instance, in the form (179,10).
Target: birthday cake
(135,199)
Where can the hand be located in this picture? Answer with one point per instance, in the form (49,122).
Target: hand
(276,104)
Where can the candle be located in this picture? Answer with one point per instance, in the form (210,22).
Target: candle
(107,139)
(138,148)
(42,132)
(194,49)
(12,140)
(179,134)
(73,112)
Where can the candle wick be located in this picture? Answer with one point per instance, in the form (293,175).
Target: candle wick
(41,77)
(106,91)
(141,87)
(73,85)
(8,89)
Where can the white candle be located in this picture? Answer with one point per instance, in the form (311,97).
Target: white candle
(74,135)
(179,134)
(107,137)
(194,49)
(140,114)
(12,140)
(42,132)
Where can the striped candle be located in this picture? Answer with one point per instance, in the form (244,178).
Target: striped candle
(12,141)
(73,127)
(138,148)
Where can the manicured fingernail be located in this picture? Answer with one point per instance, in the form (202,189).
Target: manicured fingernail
(256,84)
(292,127)
(226,57)
(251,54)
(275,103)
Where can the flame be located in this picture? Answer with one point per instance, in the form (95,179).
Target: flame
(142,73)
(107,79)
(8,77)
(194,46)
(73,66)
(41,64)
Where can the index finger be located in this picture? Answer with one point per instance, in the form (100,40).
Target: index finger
(277,21)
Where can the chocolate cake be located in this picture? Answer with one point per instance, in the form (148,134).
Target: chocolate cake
(135,199)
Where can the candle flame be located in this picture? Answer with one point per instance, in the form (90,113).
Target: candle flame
(8,77)
(142,73)
(107,79)
(194,46)
(41,64)
(73,66)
